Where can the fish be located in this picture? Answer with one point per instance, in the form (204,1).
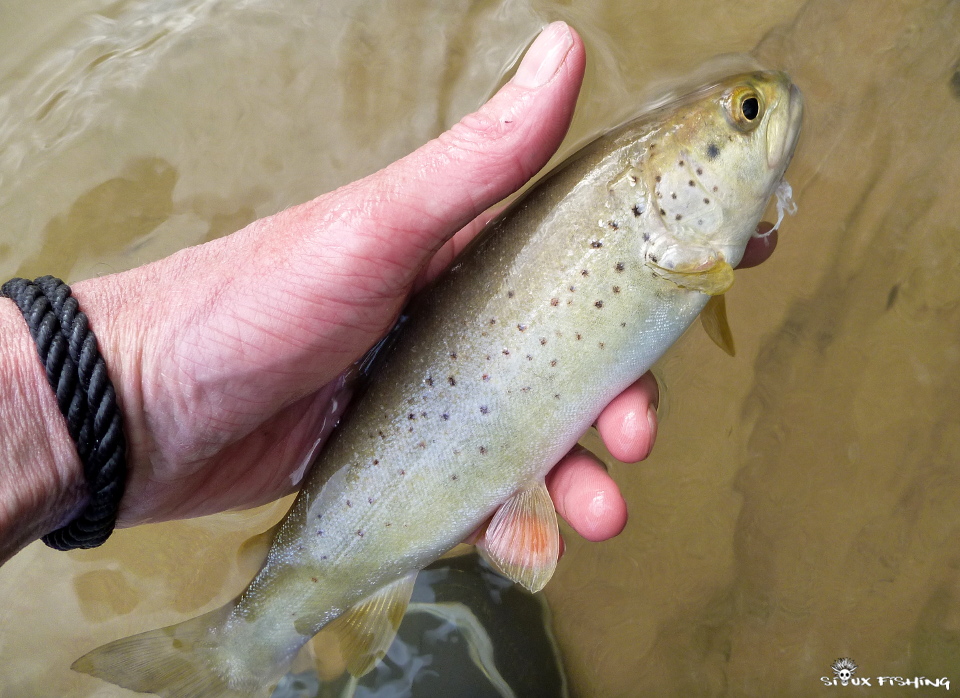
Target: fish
(561,303)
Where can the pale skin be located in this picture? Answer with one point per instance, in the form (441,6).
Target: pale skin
(225,356)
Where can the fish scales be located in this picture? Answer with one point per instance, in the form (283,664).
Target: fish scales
(559,305)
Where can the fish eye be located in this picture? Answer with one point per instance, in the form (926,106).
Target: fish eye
(745,108)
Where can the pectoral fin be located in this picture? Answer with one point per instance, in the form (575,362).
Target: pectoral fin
(714,320)
(522,540)
(713,281)
(366,630)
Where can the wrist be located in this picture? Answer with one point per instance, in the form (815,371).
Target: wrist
(41,478)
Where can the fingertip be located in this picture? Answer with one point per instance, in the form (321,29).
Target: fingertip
(760,247)
(587,497)
(628,425)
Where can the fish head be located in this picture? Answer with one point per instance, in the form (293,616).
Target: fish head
(712,163)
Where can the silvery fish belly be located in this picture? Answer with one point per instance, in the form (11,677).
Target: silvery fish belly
(559,305)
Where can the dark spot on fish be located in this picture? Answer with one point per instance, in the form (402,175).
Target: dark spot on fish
(483,450)
(652,146)
(658,178)
(529,358)
(556,396)
(662,212)
(543,340)
(488,357)
(323,557)
(613,225)
(370,500)
(892,296)
(569,302)
(691,183)
(314,580)
(484,409)
(360,533)
(554,302)
(521,327)
(510,294)
(713,151)
(506,352)
(486,377)
(553,363)
(453,355)
(616,289)
(380,434)
(452,380)
(680,164)
(706,200)
(429,381)
(679,216)
(673,195)
(619,266)
(599,304)
(623,324)
(585,272)
(445,416)
(349,504)
(699,170)
(654,258)
(601,345)
(483,334)
(636,210)
(493,321)
(572,289)
(402,473)
(579,337)
(596,244)
(423,414)
(320,533)
(376,461)
(715,190)
(411,416)
(410,430)
(525,389)
(453,477)
(388,524)
(422,444)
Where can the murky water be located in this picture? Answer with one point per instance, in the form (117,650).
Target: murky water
(803,502)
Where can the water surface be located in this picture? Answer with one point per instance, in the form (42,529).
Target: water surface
(803,502)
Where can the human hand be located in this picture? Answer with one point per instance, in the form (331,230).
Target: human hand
(225,356)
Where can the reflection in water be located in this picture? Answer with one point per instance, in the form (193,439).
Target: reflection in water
(802,502)
(468,631)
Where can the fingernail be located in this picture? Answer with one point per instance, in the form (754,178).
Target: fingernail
(652,422)
(545,56)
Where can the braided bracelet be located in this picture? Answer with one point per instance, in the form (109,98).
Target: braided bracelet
(76,372)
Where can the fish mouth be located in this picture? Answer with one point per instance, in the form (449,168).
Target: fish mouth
(783,133)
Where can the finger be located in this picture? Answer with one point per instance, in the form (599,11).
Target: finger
(397,218)
(628,425)
(759,248)
(586,496)
(454,246)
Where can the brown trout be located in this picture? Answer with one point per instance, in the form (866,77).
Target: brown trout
(559,305)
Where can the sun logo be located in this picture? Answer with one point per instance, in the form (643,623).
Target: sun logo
(844,668)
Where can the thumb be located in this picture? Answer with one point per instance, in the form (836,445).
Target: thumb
(393,221)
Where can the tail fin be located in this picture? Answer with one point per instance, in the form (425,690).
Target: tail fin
(179,661)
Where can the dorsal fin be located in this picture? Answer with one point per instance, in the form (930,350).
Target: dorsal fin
(366,629)
(522,541)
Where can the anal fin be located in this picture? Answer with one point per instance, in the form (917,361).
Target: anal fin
(522,540)
(366,630)
(713,317)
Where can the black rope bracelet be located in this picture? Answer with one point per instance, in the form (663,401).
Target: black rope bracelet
(76,372)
